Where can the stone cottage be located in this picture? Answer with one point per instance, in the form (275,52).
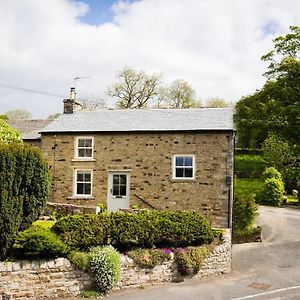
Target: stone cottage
(175,159)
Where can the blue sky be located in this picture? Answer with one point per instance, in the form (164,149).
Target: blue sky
(100,11)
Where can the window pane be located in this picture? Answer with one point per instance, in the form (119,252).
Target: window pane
(188,172)
(116,179)
(123,179)
(79,188)
(123,190)
(88,142)
(116,190)
(87,177)
(81,152)
(179,161)
(188,161)
(88,153)
(79,176)
(81,142)
(179,172)
(87,188)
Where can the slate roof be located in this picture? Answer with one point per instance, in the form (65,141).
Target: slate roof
(143,120)
(29,129)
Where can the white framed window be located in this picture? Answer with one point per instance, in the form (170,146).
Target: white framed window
(184,166)
(83,183)
(84,147)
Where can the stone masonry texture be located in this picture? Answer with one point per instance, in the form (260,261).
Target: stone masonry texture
(148,158)
(55,279)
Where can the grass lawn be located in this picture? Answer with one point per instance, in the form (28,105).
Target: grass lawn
(248,186)
(45,224)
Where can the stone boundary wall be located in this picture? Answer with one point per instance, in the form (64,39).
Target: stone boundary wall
(53,279)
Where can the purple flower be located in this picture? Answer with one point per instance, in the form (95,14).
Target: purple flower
(167,250)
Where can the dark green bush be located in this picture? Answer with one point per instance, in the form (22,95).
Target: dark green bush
(129,230)
(125,230)
(159,228)
(24,188)
(247,165)
(40,242)
(183,228)
(81,232)
(149,258)
(245,211)
(191,259)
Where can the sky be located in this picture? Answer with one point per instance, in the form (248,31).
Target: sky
(215,45)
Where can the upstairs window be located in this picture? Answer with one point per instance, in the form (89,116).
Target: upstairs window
(184,167)
(83,183)
(84,147)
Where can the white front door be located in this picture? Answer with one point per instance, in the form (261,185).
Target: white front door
(118,190)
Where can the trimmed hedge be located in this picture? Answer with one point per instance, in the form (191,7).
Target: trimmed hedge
(81,232)
(41,242)
(247,165)
(125,230)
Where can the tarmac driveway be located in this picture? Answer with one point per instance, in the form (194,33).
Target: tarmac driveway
(267,270)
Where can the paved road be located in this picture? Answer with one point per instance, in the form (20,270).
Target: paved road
(267,270)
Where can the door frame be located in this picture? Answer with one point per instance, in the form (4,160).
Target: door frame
(110,186)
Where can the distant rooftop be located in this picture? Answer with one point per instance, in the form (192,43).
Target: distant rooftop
(29,129)
(127,120)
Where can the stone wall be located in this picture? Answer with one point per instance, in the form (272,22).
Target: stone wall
(148,158)
(41,279)
(33,280)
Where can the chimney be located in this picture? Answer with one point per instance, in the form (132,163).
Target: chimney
(70,103)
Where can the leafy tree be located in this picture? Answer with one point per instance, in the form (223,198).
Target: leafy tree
(180,94)
(19,114)
(4,117)
(217,103)
(134,89)
(277,152)
(276,107)
(8,134)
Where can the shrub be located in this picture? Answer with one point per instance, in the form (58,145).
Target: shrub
(81,260)
(273,191)
(24,189)
(105,263)
(271,172)
(159,228)
(149,258)
(245,211)
(191,259)
(129,230)
(41,242)
(8,134)
(80,232)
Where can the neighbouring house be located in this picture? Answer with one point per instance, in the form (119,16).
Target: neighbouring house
(175,159)
(30,130)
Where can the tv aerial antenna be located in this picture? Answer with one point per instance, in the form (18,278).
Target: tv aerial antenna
(78,78)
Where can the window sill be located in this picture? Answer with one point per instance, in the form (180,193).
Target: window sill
(81,197)
(83,159)
(183,179)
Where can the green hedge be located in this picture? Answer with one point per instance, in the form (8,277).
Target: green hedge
(83,231)
(39,241)
(247,165)
(125,230)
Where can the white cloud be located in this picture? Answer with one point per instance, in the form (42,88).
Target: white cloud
(216,45)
